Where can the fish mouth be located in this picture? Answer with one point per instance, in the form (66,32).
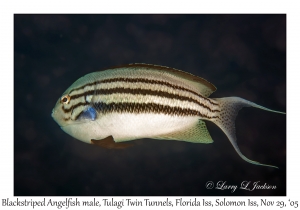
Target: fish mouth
(57,119)
(54,115)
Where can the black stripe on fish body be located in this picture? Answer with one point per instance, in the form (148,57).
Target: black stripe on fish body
(145,81)
(138,108)
(67,110)
(145,92)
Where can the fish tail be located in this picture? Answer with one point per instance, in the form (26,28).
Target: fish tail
(230,107)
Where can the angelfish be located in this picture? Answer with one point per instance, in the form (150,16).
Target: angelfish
(146,101)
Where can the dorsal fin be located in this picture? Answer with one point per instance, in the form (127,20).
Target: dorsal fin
(204,87)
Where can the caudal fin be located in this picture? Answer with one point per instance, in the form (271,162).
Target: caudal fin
(229,109)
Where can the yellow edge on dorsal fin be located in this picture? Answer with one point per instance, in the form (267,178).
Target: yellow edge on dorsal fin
(203,87)
(196,133)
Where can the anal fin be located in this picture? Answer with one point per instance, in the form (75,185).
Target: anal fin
(196,133)
(109,143)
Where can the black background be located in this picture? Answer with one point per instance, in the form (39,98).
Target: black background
(242,55)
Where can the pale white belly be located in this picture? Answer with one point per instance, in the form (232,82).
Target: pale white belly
(125,127)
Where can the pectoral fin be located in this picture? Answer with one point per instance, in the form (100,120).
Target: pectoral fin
(109,143)
(196,133)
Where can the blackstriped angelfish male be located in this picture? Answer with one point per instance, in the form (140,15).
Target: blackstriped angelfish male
(146,101)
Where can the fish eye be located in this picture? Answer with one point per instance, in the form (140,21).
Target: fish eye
(65,99)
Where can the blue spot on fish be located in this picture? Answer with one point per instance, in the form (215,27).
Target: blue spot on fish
(89,114)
